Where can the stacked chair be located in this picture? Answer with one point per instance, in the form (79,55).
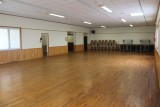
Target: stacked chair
(127,45)
(112,45)
(144,46)
(95,45)
(92,44)
(104,45)
(99,45)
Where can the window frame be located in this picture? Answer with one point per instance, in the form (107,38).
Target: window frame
(20,38)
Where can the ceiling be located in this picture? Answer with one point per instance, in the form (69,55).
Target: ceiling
(77,11)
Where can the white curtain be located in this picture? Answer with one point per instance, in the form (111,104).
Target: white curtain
(4,43)
(14,38)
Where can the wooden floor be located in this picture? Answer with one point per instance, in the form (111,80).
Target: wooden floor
(91,79)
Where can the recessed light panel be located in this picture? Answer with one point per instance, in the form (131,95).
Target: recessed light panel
(56,15)
(87,22)
(103,26)
(123,20)
(136,14)
(107,9)
(131,25)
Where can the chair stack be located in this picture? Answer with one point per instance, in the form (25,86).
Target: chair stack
(112,45)
(103,45)
(127,45)
(144,46)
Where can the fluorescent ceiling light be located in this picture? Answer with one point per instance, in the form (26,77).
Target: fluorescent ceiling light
(56,15)
(123,20)
(131,25)
(87,22)
(107,9)
(1,2)
(103,26)
(136,14)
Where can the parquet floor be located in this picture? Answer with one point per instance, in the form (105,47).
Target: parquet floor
(91,79)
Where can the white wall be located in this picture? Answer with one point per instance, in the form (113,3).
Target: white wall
(31,39)
(32,29)
(121,33)
(79,38)
(57,38)
(157,33)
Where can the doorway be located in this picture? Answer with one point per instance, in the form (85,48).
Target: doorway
(85,39)
(45,43)
(70,39)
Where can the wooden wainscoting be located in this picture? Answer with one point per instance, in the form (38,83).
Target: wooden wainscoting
(20,55)
(78,48)
(58,50)
(157,59)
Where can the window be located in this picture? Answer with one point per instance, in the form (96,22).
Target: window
(9,38)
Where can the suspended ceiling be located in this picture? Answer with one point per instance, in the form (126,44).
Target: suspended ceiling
(77,11)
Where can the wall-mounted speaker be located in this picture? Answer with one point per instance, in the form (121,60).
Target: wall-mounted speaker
(93,31)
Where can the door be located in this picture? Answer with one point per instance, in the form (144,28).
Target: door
(85,43)
(70,47)
(70,39)
(45,42)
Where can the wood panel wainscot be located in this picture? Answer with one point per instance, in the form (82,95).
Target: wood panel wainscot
(20,55)
(78,48)
(58,50)
(157,59)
